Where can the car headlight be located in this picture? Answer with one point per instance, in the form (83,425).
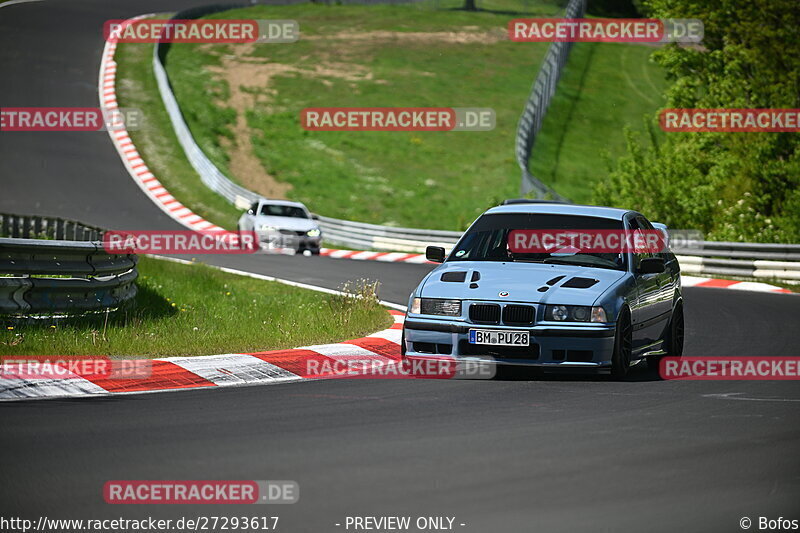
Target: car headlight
(264,227)
(436,306)
(575,313)
(313,233)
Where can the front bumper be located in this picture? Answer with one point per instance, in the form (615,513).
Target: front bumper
(290,240)
(589,346)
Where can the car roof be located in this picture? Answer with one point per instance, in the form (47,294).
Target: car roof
(561,209)
(281,202)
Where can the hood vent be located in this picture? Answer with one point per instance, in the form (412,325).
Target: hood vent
(555,280)
(455,277)
(476,275)
(579,283)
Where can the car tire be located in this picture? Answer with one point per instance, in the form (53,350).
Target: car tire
(623,344)
(403,344)
(676,332)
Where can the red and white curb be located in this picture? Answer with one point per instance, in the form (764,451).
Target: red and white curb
(226,370)
(163,199)
(361,255)
(712,283)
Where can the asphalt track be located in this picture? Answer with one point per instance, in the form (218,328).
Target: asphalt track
(521,454)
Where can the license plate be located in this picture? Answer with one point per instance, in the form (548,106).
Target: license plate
(499,338)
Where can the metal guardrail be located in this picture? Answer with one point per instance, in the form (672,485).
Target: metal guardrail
(742,259)
(34,226)
(39,276)
(384,238)
(210,175)
(544,87)
(747,260)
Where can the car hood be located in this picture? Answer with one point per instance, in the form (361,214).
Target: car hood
(290,223)
(521,281)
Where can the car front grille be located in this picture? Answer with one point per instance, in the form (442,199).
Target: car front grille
(512,315)
(518,315)
(484,313)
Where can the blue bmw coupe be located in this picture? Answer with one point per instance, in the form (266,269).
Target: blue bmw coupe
(566,306)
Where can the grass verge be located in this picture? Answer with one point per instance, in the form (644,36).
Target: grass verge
(605,87)
(198,310)
(244,102)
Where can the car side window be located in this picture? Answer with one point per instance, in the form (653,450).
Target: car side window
(636,224)
(253,208)
(646,225)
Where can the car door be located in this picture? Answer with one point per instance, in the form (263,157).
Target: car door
(644,308)
(667,283)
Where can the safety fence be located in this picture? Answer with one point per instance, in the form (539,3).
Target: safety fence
(544,87)
(742,259)
(58,273)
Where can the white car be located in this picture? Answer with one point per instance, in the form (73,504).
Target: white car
(283,224)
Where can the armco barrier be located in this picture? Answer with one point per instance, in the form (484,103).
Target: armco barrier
(742,259)
(384,238)
(731,259)
(210,175)
(34,226)
(39,276)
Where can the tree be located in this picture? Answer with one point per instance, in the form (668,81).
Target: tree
(734,186)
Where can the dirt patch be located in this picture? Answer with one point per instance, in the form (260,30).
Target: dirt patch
(249,80)
(244,164)
(467,35)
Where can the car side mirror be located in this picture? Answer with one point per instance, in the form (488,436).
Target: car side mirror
(435,254)
(651,265)
(314,217)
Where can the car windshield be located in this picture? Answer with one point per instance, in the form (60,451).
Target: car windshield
(488,240)
(278,210)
